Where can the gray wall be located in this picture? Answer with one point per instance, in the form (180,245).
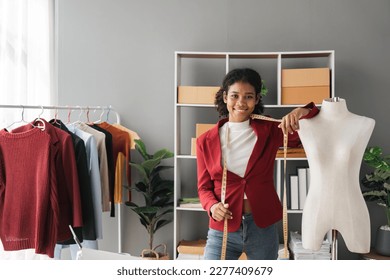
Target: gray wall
(122,53)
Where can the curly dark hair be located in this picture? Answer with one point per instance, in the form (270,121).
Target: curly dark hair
(245,75)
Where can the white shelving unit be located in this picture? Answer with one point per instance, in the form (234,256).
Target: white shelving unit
(208,69)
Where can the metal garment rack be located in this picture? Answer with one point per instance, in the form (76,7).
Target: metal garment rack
(82,109)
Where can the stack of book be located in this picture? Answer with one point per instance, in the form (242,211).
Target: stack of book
(299,253)
(191,250)
(190,202)
(297,188)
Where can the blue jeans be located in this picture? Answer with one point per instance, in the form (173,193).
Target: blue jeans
(258,243)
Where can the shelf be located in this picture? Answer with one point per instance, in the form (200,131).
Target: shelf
(278,158)
(265,106)
(207,69)
(181,208)
(294,211)
(195,105)
(186,156)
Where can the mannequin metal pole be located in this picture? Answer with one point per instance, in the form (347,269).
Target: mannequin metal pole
(334,244)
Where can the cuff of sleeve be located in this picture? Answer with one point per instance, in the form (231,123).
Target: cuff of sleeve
(208,208)
(313,110)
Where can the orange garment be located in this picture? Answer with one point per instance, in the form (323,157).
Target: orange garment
(120,145)
(119,178)
(133,135)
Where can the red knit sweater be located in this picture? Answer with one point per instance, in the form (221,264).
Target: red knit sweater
(28,192)
(69,201)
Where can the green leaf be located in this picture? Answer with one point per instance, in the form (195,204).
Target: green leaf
(264,89)
(161,168)
(161,223)
(167,192)
(144,222)
(161,201)
(150,164)
(163,154)
(142,171)
(167,211)
(147,210)
(162,184)
(140,187)
(375,193)
(140,147)
(131,204)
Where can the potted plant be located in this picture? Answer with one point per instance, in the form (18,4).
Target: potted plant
(157,193)
(377,188)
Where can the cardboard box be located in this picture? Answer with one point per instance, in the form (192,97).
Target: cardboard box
(304,95)
(196,95)
(202,128)
(196,247)
(193,146)
(301,86)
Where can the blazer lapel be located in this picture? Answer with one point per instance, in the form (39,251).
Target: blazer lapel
(214,146)
(259,146)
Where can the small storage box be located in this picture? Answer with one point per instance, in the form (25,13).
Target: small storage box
(193,146)
(301,86)
(196,95)
(202,128)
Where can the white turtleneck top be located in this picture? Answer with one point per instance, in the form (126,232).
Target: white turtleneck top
(241,140)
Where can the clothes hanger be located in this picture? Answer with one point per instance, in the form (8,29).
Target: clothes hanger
(69,113)
(78,121)
(55,120)
(20,121)
(39,123)
(108,113)
(89,122)
(101,116)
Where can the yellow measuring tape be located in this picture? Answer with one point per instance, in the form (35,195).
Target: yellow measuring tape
(223,192)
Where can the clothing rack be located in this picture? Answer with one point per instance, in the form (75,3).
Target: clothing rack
(109,110)
(81,108)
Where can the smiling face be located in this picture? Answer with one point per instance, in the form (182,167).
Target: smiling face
(240,100)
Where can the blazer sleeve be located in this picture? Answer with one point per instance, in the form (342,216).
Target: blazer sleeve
(205,183)
(293,139)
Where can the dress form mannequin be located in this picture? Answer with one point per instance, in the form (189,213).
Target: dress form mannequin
(334,142)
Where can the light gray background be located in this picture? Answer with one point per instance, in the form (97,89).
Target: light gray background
(122,53)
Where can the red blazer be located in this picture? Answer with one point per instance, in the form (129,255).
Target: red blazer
(258,182)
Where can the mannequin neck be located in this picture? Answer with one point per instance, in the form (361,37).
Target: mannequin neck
(334,108)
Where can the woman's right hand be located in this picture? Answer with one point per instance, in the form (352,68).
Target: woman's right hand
(220,211)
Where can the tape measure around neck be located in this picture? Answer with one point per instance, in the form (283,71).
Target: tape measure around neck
(223,191)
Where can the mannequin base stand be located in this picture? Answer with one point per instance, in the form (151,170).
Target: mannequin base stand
(334,245)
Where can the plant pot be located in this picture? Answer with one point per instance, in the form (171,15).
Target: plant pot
(382,244)
(153,254)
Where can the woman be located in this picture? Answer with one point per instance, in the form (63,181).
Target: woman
(252,204)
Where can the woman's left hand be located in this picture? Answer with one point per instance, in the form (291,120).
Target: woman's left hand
(290,122)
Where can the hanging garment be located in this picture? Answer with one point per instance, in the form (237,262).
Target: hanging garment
(103,164)
(67,179)
(110,163)
(29,208)
(121,144)
(133,136)
(94,174)
(95,180)
(88,231)
(25,254)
